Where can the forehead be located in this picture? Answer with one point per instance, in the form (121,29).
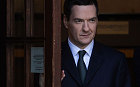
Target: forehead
(83,11)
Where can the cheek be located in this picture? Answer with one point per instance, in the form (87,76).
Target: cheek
(72,32)
(93,28)
(75,29)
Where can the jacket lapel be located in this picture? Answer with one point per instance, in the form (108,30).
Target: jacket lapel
(68,64)
(95,63)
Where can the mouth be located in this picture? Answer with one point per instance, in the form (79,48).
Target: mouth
(85,35)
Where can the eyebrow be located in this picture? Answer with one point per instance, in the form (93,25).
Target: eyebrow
(93,18)
(78,19)
(85,19)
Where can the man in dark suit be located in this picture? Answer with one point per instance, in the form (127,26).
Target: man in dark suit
(85,62)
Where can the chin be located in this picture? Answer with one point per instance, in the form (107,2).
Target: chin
(85,42)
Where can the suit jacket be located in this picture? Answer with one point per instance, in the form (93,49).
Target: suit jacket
(137,65)
(107,68)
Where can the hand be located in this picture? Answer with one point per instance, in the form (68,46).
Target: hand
(62,75)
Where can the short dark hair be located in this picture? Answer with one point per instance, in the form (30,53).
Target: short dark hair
(68,4)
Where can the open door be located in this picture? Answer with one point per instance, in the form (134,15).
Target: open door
(32,43)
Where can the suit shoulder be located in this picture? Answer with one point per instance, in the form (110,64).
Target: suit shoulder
(64,47)
(106,50)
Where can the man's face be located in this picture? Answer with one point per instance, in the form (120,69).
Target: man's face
(82,25)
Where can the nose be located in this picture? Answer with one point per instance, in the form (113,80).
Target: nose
(85,26)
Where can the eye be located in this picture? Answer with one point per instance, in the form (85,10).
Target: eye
(92,20)
(78,21)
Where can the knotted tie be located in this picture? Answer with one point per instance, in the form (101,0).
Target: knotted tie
(81,66)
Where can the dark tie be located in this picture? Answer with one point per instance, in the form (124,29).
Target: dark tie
(81,66)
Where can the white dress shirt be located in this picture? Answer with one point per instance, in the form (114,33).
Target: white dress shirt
(75,50)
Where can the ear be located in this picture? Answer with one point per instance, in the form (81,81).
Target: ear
(65,21)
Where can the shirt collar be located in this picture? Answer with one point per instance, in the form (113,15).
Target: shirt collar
(76,49)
